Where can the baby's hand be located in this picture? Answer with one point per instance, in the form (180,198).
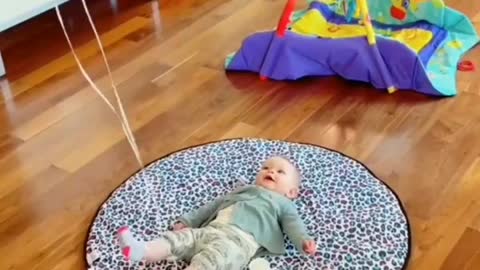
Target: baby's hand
(310,247)
(179,226)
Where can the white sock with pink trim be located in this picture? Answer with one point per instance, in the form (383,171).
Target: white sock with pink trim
(132,249)
(135,250)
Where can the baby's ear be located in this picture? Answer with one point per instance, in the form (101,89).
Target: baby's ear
(293,193)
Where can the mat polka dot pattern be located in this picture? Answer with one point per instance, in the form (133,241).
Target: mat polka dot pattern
(357,220)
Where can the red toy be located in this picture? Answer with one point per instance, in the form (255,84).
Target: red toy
(286,18)
(466,66)
(398,13)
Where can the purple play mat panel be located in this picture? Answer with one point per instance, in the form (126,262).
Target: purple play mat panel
(296,56)
(356,219)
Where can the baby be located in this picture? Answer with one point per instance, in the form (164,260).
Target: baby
(228,232)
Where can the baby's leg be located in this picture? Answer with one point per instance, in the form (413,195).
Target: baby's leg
(179,244)
(223,253)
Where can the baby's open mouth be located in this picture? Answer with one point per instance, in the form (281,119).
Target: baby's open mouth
(269,178)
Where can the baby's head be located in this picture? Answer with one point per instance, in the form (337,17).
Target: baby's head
(279,175)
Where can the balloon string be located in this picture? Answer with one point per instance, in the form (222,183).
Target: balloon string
(122,117)
(115,91)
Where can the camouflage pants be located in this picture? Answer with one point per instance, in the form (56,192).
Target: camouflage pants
(215,247)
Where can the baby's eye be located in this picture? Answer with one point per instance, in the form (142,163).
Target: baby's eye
(281,171)
(264,168)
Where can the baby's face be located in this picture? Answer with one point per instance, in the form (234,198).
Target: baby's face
(279,175)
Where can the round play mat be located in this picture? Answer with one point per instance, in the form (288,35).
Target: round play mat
(358,221)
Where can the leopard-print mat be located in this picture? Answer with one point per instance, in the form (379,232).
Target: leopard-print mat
(357,220)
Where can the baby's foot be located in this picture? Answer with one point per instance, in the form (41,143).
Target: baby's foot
(132,249)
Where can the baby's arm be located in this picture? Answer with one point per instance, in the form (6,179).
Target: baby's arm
(196,217)
(294,228)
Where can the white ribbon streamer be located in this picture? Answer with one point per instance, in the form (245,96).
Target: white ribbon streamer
(121,116)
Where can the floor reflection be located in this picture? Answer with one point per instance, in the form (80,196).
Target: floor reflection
(7,96)
(156,16)
(338,135)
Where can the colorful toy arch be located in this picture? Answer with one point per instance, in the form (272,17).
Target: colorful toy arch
(391,44)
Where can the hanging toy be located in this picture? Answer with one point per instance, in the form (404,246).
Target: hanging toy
(345,7)
(351,9)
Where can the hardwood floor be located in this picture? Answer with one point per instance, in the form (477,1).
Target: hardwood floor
(62,151)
